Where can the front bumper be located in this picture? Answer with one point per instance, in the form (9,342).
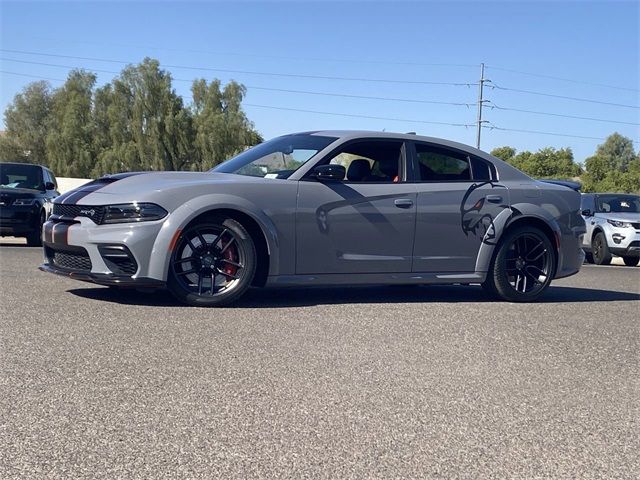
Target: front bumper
(623,241)
(119,254)
(110,280)
(19,220)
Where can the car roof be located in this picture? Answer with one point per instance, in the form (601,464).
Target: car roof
(24,163)
(355,134)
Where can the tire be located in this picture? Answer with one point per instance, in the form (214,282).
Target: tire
(588,257)
(600,249)
(523,266)
(34,239)
(213,263)
(630,261)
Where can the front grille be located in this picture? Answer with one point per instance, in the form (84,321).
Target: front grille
(69,212)
(636,226)
(76,259)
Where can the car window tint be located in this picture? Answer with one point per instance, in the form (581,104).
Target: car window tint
(441,165)
(370,161)
(587,202)
(481,170)
(618,204)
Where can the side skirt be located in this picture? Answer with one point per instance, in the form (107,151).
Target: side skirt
(375,279)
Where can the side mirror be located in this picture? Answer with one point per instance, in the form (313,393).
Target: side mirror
(49,186)
(330,172)
(587,213)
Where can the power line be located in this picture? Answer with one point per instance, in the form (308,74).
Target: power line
(250,72)
(273,107)
(255,87)
(32,76)
(260,55)
(544,94)
(366,97)
(536,112)
(540,75)
(493,127)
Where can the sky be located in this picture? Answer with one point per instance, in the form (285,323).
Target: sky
(415,53)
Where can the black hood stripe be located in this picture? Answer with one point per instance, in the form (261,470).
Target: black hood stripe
(74,196)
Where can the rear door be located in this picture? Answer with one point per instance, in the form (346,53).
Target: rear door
(458,200)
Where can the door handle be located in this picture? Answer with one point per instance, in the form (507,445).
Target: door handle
(494,198)
(403,203)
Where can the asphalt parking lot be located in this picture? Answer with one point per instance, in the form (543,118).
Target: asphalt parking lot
(384,382)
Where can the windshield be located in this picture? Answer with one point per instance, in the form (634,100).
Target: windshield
(618,204)
(277,158)
(21,176)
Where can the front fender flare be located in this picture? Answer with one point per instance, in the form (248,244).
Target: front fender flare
(183,215)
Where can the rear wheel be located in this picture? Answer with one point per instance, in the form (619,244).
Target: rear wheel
(630,261)
(213,263)
(600,250)
(523,266)
(34,239)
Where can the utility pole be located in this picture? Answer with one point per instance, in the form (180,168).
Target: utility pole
(480,102)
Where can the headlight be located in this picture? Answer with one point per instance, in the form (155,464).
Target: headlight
(133,212)
(618,224)
(24,201)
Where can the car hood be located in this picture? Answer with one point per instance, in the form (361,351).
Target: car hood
(620,217)
(18,192)
(149,186)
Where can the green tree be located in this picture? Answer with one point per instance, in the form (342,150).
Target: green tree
(545,163)
(70,137)
(221,127)
(148,126)
(614,167)
(26,120)
(504,153)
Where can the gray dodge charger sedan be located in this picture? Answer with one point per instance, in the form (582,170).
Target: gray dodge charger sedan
(321,208)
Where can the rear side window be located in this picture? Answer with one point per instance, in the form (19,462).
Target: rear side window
(441,165)
(587,202)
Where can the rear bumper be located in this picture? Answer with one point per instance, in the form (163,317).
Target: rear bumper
(110,280)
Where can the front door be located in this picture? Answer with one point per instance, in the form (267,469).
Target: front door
(363,224)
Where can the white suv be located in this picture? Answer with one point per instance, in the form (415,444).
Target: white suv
(613,227)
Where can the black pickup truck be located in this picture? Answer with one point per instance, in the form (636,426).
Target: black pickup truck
(26,192)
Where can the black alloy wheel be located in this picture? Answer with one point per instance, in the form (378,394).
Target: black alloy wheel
(212,264)
(523,267)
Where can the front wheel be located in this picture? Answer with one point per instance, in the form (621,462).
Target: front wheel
(34,239)
(213,263)
(523,266)
(600,250)
(630,261)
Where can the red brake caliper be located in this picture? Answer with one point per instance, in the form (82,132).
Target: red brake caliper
(231,254)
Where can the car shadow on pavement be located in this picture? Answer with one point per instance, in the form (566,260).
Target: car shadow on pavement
(303,297)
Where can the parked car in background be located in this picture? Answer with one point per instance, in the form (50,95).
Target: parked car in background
(26,192)
(613,227)
(322,208)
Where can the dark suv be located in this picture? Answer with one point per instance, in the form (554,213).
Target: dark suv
(26,192)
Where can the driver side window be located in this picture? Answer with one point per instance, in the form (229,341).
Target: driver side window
(371,161)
